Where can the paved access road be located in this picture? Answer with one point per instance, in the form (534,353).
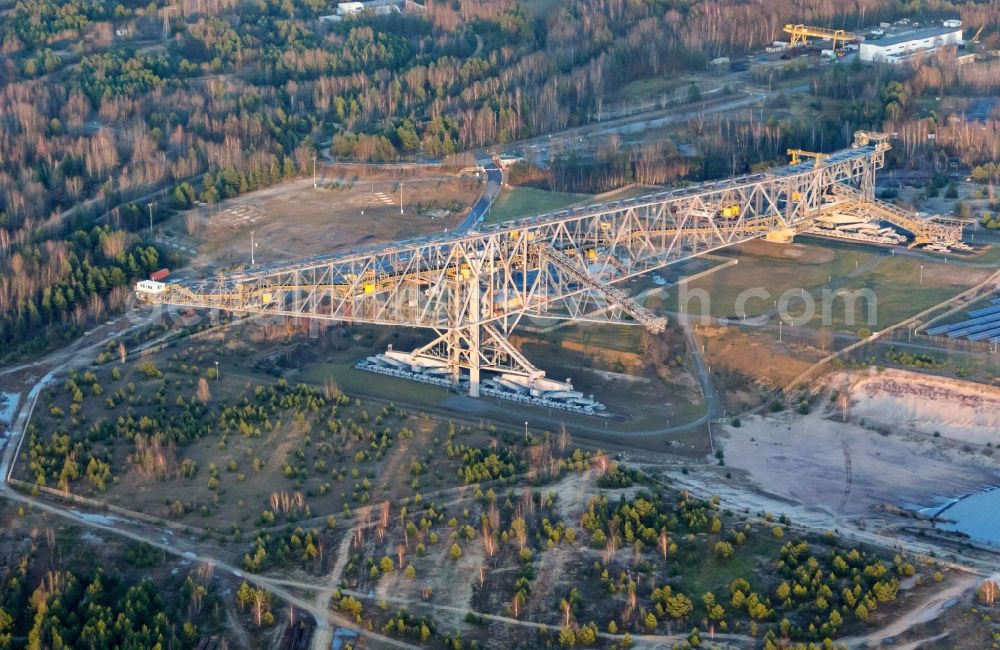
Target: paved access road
(494,180)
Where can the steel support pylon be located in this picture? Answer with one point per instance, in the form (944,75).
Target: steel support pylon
(474,349)
(473,288)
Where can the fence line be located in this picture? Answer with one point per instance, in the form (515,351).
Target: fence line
(805,374)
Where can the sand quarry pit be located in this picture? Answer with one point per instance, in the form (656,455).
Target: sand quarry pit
(926,404)
(820,465)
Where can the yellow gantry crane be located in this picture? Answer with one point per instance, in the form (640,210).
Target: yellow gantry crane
(473,288)
(798,154)
(801,33)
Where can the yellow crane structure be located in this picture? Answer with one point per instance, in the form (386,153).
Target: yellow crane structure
(798,154)
(472,288)
(800,34)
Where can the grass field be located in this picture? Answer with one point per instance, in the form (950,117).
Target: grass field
(896,284)
(527,201)
(606,361)
(772,270)
(991,256)
(366,383)
(716,574)
(643,88)
(830,273)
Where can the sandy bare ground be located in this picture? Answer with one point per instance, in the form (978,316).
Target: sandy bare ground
(293,220)
(924,404)
(818,464)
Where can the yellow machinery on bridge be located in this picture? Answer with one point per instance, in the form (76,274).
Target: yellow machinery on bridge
(936,230)
(798,154)
(800,35)
(473,288)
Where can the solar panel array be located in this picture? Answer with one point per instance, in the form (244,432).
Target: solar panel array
(982,325)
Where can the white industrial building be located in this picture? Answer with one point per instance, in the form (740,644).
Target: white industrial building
(347,8)
(900,47)
(377,7)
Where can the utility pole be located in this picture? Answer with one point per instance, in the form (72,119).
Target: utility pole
(400,198)
(314,172)
(166,21)
(252,246)
(150,221)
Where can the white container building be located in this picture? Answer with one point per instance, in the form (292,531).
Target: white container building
(899,47)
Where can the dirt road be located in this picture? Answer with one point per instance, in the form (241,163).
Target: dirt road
(163,539)
(925,612)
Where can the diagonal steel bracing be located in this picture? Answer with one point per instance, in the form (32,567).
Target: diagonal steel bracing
(474,288)
(615,297)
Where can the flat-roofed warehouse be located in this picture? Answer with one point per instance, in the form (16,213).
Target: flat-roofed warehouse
(899,47)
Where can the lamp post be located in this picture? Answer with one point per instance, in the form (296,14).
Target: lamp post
(526,431)
(921,275)
(400,198)
(253,245)
(314,172)
(217,376)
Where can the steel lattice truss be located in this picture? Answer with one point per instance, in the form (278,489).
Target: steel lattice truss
(936,229)
(472,289)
